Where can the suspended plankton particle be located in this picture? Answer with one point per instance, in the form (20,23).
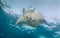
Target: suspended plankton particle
(31,17)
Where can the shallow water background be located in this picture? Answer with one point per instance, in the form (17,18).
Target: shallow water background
(49,9)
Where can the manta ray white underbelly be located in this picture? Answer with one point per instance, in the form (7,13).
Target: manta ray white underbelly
(31,17)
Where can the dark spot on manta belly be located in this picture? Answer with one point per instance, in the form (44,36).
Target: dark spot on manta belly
(30,19)
(33,20)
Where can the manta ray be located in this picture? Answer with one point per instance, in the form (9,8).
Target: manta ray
(31,17)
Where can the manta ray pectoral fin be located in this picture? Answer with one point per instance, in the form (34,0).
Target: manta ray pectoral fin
(47,23)
(20,20)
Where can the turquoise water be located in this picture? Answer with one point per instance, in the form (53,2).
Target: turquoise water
(9,30)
